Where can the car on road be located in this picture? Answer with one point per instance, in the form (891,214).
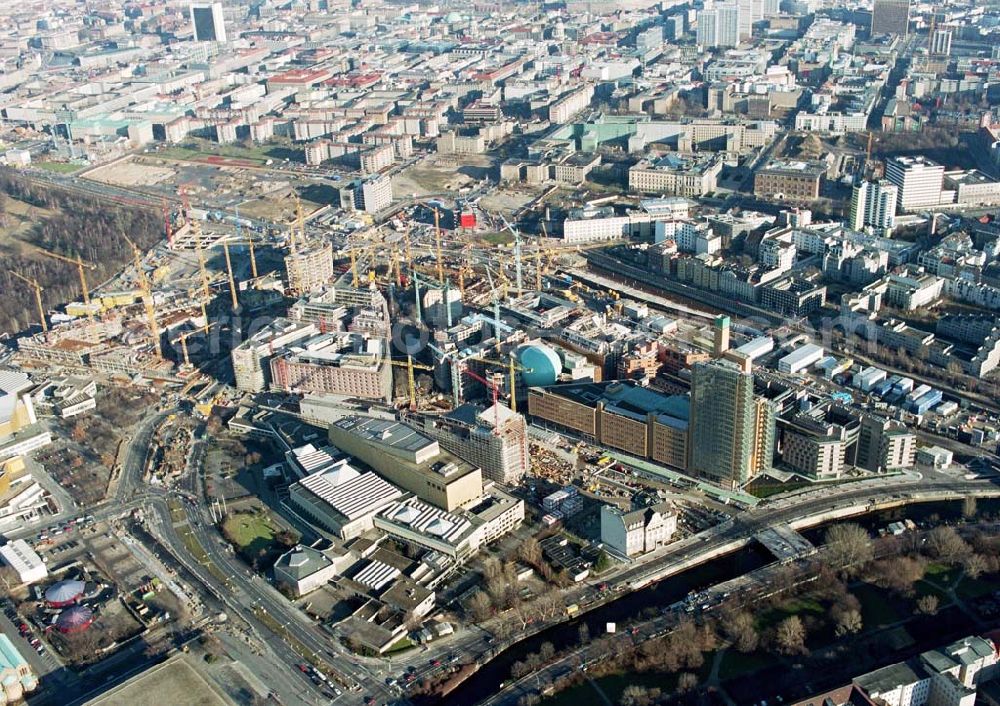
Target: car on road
(435,663)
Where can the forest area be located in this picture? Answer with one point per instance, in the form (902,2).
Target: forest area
(66,223)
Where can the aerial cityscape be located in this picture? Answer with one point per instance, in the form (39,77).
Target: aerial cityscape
(507,354)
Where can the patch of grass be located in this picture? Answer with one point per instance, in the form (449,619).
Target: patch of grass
(736,663)
(198,553)
(970,588)
(200,150)
(613,687)
(298,646)
(925,589)
(942,574)
(761,490)
(876,607)
(59,167)
(250,533)
(796,606)
(404,643)
(502,238)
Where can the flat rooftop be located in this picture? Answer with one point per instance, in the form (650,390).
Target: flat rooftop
(625,398)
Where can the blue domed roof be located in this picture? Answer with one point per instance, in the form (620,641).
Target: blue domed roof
(542,361)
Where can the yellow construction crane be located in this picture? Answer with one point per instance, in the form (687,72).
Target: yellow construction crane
(538,268)
(512,369)
(300,226)
(437,246)
(205,287)
(187,334)
(80,265)
(463,272)
(229,272)
(409,252)
(502,276)
(33,283)
(394,270)
(147,298)
(253,258)
(410,379)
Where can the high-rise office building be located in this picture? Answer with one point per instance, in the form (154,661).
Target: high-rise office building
(891,17)
(749,12)
(918,180)
(209,25)
(731,24)
(719,26)
(732,430)
(708,28)
(941,42)
(873,205)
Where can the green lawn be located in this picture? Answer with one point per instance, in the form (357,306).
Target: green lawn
(502,238)
(942,574)
(253,153)
(796,606)
(250,532)
(970,588)
(404,643)
(736,663)
(613,686)
(59,167)
(767,490)
(925,589)
(876,608)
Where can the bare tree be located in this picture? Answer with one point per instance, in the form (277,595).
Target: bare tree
(928,605)
(480,606)
(969,507)
(530,552)
(848,622)
(898,574)
(687,681)
(790,636)
(848,548)
(945,544)
(741,630)
(974,565)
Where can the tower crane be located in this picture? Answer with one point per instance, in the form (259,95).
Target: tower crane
(168,230)
(205,286)
(513,367)
(187,334)
(411,383)
(437,245)
(147,298)
(229,272)
(494,387)
(446,288)
(249,238)
(408,245)
(79,263)
(33,283)
(518,264)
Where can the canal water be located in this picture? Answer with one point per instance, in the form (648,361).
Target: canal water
(629,607)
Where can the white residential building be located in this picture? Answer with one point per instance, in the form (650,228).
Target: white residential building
(873,205)
(918,180)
